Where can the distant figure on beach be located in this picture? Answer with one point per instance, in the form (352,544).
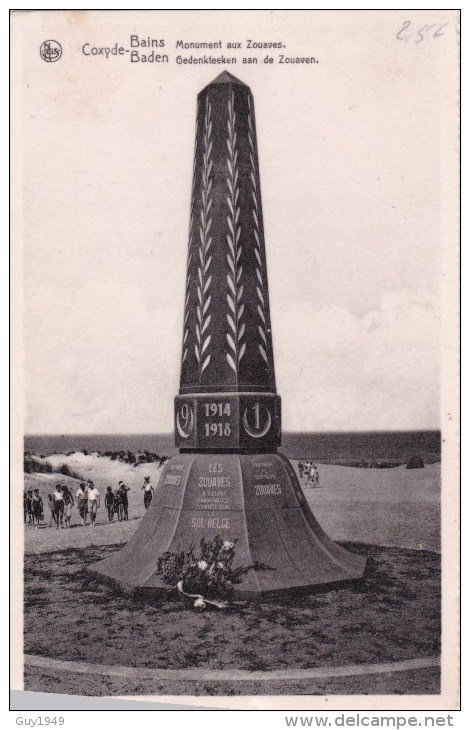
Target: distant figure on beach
(311,472)
(58,497)
(27,505)
(301,468)
(315,478)
(68,504)
(118,505)
(93,502)
(109,503)
(50,500)
(37,508)
(148,492)
(123,500)
(30,505)
(82,502)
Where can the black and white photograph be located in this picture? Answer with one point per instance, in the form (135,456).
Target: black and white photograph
(235,345)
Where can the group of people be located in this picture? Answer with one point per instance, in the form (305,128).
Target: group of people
(62,501)
(117,503)
(309,470)
(33,507)
(60,504)
(88,502)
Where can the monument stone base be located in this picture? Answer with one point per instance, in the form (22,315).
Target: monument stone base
(255,499)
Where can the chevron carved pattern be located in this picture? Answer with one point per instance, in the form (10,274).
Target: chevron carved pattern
(262,346)
(236,307)
(190,255)
(204,278)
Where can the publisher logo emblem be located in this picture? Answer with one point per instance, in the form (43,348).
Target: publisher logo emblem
(50,51)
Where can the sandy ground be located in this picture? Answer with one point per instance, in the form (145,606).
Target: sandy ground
(391,614)
(395,507)
(399,506)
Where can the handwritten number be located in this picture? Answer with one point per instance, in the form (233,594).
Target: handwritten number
(406,25)
(421,33)
(438,33)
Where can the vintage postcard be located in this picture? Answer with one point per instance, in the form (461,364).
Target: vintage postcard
(235,343)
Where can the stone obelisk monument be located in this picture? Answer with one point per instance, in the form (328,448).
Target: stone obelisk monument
(228,479)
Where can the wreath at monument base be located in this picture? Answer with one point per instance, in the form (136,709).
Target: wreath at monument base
(206,580)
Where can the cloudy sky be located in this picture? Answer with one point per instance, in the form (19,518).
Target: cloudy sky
(351,158)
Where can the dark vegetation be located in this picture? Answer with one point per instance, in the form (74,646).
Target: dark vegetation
(33,465)
(128,457)
(364,463)
(66,471)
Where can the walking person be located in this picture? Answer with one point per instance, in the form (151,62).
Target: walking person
(118,506)
(93,502)
(123,489)
(148,492)
(109,503)
(59,506)
(68,505)
(29,505)
(311,474)
(37,508)
(50,500)
(82,502)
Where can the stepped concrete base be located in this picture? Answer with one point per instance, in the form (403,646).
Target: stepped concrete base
(253,498)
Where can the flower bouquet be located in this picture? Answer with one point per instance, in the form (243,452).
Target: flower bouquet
(208,578)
